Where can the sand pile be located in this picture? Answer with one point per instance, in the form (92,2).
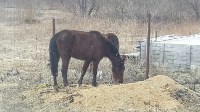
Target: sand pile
(154,93)
(159,93)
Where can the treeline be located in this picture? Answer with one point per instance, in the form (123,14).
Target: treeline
(162,10)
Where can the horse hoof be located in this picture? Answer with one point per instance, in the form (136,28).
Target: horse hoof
(79,82)
(78,85)
(56,89)
(68,90)
(94,84)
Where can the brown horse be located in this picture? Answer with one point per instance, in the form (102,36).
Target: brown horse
(88,46)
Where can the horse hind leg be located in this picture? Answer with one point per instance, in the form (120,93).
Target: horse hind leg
(55,86)
(84,69)
(64,70)
(54,71)
(55,74)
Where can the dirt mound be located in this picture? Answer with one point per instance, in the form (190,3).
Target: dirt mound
(159,93)
(150,94)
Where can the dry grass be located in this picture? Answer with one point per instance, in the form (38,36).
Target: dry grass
(25,46)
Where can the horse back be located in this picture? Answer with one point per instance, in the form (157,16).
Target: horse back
(81,45)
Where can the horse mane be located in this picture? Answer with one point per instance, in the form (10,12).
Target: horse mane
(113,39)
(108,46)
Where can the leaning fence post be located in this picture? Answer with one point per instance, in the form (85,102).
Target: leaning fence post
(53,24)
(156,35)
(148,45)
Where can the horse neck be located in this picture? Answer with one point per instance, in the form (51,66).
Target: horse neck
(113,58)
(111,52)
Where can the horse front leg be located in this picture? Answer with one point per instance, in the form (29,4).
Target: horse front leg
(84,69)
(95,67)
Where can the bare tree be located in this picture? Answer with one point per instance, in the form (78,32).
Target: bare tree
(195,6)
(162,10)
(83,7)
(94,7)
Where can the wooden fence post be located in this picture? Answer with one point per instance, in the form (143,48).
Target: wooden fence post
(148,44)
(156,35)
(53,24)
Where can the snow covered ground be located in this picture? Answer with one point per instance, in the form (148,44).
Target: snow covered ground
(173,39)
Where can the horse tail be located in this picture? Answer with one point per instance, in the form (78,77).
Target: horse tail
(54,56)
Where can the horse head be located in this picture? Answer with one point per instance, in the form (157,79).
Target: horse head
(118,69)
